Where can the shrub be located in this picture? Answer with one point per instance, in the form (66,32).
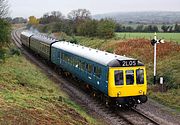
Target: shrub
(4,32)
(73,40)
(2,55)
(169,80)
(15,51)
(105,28)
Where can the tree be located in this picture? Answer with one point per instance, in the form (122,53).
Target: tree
(106,28)
(129,29)
(177,28)
(140,28)
(4,32)
(57,15)
(33,20)
(119,28)
(79,14)
(4,8)
(77,17)
(4,25)
(87,28)
(165,28)
(19,20)
(91,27)
(63,26)
(154,29)
(44,19)
(171,29)
(54,16)
(151,28)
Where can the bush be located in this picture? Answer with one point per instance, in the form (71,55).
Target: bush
(2,55)
(106,28)
(62,36)
(15,51)
(73,40)
(169,80)
(4,32)
(45,29)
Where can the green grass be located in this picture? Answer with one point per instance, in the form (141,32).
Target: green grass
(28,96)
(175,37)
(170,98)
(170,70)
(91,42)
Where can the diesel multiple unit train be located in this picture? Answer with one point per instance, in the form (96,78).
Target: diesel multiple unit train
(116,79)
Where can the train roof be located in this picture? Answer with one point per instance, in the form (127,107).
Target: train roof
(27,33)
(44,38)
(101,57)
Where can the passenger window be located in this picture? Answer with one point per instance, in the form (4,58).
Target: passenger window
(83,65)
(97,71)
(94,70)
(62,56)
(86,67)
(140,76)
(90,68)
(76,63)
(129,77)
(118,74)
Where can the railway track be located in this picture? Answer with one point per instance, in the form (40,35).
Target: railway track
(111,116)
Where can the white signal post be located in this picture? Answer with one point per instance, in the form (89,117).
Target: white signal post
(155,44)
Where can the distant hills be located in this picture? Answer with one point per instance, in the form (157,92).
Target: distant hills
(151,17)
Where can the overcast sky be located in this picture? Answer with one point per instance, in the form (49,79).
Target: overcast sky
(26,8)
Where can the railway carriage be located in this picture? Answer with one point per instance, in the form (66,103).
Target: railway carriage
(120,80)
(25,38)
(78,60)
(42,45)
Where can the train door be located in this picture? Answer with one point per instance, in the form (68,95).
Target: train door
(89,68)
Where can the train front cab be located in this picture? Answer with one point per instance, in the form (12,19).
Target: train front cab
(128,85)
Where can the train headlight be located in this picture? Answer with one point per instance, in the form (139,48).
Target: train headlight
(140,91)
(118,93)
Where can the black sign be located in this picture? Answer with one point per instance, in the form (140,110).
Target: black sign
(126,63)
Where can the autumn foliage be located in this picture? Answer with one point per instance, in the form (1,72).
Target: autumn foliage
(143,50)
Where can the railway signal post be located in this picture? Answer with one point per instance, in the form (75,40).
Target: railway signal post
(154,42)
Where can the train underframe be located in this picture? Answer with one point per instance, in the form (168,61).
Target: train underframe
(131,101)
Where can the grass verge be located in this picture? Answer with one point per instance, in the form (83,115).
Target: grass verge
(27,96)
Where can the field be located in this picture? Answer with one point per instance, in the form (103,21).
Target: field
(174,37)
(28,96)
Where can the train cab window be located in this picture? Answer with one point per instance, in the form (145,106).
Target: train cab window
(129,77)
(140,76)
(118,74)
